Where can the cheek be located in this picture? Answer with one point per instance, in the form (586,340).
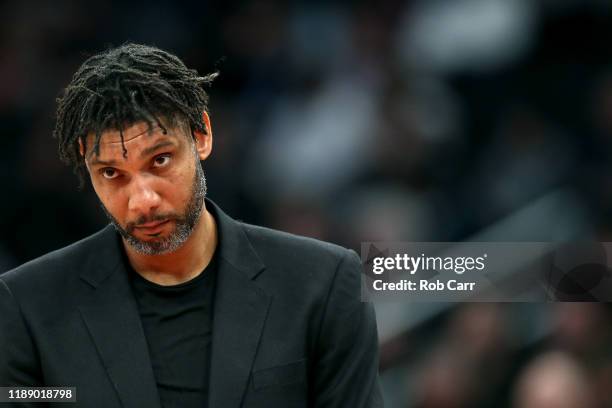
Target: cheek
(111,200)
(179,190)
(115,204)
(180,183)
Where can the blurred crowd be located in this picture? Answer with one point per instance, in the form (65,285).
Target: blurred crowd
(352,121)
(483,355)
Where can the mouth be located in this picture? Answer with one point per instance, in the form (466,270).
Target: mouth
(151,228)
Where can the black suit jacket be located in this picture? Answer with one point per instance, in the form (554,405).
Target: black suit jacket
(289,328)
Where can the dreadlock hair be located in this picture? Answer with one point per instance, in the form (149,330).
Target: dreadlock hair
(122,86)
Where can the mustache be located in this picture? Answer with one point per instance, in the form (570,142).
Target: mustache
(130,226)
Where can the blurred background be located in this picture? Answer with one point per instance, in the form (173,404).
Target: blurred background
(351,121)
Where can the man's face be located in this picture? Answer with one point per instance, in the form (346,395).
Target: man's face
(155,195)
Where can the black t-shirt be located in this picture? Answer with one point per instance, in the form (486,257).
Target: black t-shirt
(177,322)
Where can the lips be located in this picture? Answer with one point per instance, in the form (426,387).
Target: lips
(151,227)
(151,224)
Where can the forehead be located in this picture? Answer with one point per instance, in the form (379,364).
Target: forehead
(137,139)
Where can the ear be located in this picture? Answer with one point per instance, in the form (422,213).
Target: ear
(203,140)
(82,152)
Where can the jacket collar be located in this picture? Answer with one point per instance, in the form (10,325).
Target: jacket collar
(234,246)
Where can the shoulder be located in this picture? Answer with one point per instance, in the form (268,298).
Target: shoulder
(282,247)
(56,267)
(303,267)
(285,254)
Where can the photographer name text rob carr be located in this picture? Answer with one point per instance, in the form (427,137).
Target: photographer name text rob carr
(423,285)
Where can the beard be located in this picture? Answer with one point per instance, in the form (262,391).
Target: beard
(185,222)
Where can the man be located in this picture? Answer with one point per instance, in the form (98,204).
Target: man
(175,304)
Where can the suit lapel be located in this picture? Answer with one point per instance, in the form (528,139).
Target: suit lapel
(240,311)
(111,316)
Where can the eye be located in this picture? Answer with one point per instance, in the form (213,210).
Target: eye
(109,173)
(162,160)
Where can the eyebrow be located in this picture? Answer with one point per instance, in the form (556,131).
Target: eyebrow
(150,150)
(145,153)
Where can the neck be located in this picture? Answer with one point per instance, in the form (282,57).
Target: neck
(185,263)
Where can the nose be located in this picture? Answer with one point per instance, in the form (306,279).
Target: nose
(143,199)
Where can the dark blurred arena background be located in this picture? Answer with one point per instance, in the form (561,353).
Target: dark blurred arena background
(432,120)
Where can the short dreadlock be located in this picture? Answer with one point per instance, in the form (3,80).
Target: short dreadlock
(122,86)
